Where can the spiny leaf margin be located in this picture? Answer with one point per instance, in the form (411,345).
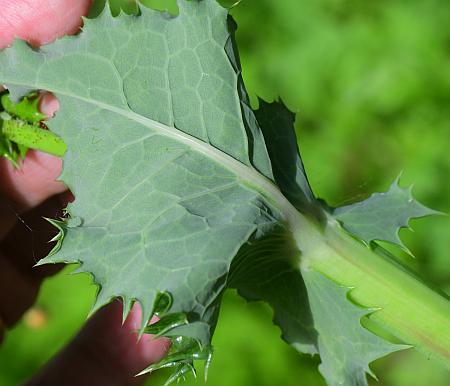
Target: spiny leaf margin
(346,348)
(382,215)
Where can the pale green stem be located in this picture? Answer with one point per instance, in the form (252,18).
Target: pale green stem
(33,137)
(405,306)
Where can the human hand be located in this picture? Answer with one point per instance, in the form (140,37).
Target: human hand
(105,352)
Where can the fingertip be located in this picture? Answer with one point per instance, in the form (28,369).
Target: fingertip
(150,350)
(40,22)
(153,350)
(48,104)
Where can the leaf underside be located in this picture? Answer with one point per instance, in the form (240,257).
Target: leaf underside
(154,108)
(182,189)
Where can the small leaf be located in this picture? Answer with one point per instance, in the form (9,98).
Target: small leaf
(27,109)
(381,216)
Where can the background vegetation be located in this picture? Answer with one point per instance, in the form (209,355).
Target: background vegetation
(370,81)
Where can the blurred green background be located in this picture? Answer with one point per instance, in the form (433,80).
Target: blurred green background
(370,81)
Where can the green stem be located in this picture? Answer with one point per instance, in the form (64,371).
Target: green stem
(33,137)
(405,307)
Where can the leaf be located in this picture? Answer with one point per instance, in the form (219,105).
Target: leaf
(277,124)
(346,348)
(180,373)
(61,226)
(166,323)
(183,350)
(267,269)
(381,216)
(27,109)
(176,176)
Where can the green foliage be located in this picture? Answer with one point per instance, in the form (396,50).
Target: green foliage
(191,151)
(255,156)
(27,108)
(277,125)
(22,129)
(266,269)
(13,115)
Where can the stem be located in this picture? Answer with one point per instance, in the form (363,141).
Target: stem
(33,137)
(404,305)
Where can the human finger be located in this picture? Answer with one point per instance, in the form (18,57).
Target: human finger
(40,21)
(105,353)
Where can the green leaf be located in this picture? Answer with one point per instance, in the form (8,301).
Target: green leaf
(277,124)
(346,348)
(61,226)
(176,176)
(21,129)
(166,323)
(267,269)
(130,7)
(183,351)
(32,136)
(381,216)
(27,109)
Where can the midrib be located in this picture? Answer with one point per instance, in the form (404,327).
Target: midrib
(247,174)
